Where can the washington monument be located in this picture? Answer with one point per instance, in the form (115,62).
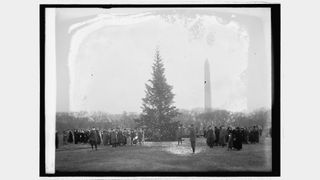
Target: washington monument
(207,86)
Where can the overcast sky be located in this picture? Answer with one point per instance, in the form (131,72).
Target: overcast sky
(111,53)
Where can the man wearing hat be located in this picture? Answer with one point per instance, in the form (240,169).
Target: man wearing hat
(93,138)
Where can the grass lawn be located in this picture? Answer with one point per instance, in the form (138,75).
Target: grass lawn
(164,156)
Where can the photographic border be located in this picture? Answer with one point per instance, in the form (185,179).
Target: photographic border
(275,110)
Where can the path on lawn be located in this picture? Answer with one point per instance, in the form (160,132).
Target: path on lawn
(164,156)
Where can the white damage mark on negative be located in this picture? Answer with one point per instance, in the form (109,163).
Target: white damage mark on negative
(112,19)
(83,29)
(231,39)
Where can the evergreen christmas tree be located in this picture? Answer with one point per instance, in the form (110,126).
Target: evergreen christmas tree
(157,107)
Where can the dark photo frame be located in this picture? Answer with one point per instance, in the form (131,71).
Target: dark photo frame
(275,109)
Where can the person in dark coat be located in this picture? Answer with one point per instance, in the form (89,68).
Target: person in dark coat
(240,139)
(124,133)
(245,135)
(119,137)
(70,137)
(179,135)
(253,134)
(242,134)
(257,134)
(93,138)
(192,136)
(125,136)
(65,137)
(113,140)
(205,132)
(217,132)
(132,136)
(135,138)
(124,139)
(76,136)
(260,130)
(109,136)
(140,136)
(128,136)
(222,136)
(98,137)
(105,138)
(237,139)
(251,139)
(210,137)
(230,139)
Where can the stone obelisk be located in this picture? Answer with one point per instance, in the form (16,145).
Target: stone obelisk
(207,87)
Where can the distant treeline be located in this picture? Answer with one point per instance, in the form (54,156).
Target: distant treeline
(261,117)
(101,120)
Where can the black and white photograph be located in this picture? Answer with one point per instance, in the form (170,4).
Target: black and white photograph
(160,90)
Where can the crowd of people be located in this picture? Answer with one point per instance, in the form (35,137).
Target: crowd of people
(233,138)
(223,136)
(113,137)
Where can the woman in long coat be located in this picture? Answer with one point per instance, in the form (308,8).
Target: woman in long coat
(217,133)
(222,136)
(210,137)
(70,137)
(230,139)
(237,139)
